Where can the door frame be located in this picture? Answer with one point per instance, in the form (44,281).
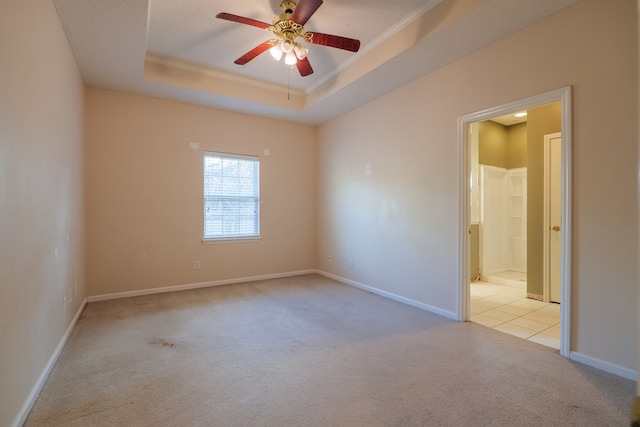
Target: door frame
(464,169)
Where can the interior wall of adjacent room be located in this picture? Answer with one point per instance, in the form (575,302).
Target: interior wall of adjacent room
(493,143)
(41,197)
(542,121)
(517,146)
(144,193)
(389,176)
(638,128)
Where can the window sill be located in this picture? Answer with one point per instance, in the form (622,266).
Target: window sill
(224,240)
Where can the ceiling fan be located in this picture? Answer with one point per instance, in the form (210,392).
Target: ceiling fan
(288,27)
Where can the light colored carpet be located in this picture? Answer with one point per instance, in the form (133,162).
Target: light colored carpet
(308,351)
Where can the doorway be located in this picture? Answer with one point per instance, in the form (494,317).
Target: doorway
(465,125)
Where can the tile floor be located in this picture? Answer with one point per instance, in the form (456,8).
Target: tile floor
(507,309)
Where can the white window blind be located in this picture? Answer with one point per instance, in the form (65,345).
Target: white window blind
(231,196)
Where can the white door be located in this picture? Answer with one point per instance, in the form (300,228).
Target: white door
(553,190)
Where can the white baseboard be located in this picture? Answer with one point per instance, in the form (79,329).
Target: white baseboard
(35,391)
(150,291)
(578,357)
(404,300)
(503,281)
(609,367)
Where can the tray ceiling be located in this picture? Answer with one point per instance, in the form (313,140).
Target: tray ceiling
(180,51)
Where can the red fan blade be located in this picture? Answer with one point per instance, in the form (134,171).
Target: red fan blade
(242,20)
(253,53)
(304,10)
(304,67)
(339,42)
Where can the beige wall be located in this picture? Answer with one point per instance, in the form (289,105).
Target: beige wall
(517,146)
(389,176)
(41,203)
(492,144)
(144,193)
(502,146)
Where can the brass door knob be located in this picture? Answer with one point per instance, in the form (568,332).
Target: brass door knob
(556,228)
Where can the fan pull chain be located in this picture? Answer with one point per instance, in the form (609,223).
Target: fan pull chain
(288,86)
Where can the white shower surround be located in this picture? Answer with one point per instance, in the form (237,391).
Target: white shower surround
(503,224)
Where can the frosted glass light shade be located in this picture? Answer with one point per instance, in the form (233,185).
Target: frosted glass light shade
(286,45)
(301,51)
(290,58)
(276,52)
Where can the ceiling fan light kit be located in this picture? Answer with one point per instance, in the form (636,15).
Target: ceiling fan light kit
(288,27)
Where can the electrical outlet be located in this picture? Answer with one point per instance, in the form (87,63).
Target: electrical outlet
(350,263)
(196,264)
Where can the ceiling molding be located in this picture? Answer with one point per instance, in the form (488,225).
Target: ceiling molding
(376,42)
(170,71)
(201,69)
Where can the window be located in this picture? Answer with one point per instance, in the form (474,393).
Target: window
(231,196)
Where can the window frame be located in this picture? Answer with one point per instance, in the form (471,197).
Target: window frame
(257,218)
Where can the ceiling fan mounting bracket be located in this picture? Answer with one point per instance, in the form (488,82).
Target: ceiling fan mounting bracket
(283,27)
(288,6)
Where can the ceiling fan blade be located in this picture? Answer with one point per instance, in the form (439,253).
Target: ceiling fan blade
(339,42)
(304,9)
(253,53)
(242,20)
(304,67)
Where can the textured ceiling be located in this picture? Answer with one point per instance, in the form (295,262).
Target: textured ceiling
(178,50)
(509,119)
